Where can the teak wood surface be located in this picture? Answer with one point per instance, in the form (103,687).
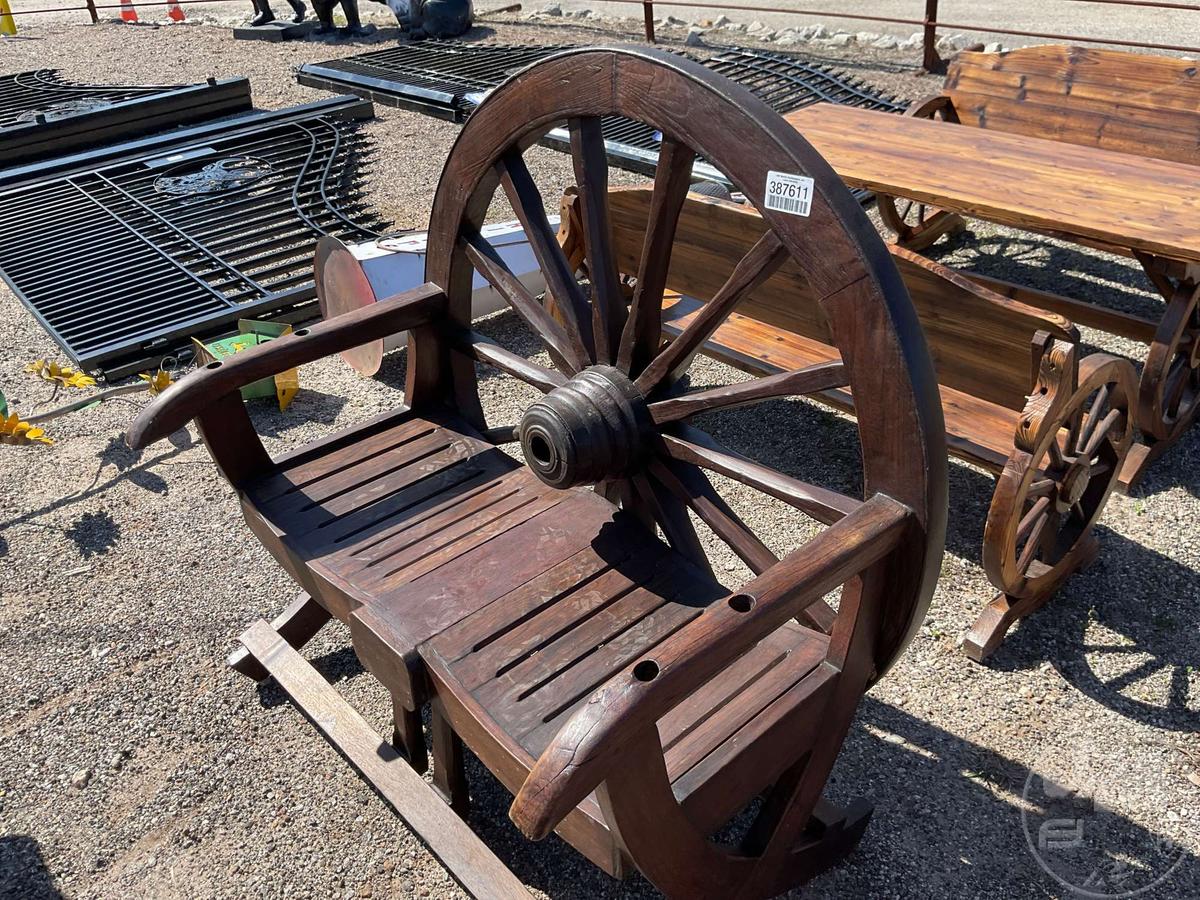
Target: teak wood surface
(561,617)
(1151,205)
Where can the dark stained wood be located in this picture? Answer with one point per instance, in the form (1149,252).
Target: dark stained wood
(467,858)
(297,624)
(590,162)
(521,602)
(172,409)
(565,349)
(811,379)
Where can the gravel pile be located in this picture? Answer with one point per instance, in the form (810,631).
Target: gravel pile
(132,763)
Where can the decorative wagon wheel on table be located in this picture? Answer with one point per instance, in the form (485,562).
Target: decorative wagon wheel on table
(917,225)
(1066,462)
(614,417)
(612,664)
(1170,385)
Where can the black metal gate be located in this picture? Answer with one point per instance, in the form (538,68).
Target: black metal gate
(124,261)
(44,115)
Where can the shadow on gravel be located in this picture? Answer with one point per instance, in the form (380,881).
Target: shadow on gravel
(22,872)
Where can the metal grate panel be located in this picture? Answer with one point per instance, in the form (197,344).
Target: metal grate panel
(42,115)
(433,77)
(123,262)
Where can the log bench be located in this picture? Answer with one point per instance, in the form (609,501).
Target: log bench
(1019,399)
(557,611)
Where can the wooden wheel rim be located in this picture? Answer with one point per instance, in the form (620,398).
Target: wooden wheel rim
(1011,501)
(866,304)
(1169,396)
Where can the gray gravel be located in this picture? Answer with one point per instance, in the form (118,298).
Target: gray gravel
(132,763)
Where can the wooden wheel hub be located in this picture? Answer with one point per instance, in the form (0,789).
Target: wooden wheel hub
(1074,484)
(588,430)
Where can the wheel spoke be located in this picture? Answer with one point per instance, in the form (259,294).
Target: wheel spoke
(1056,455)
(561,285)
(809,380)
(672,517)
(1030,518)
(1179,375)
(485,350)
(568,355)
(1099,404)
(501,434)
(691,445)
(1095,435)
(591,178)
(1042,487)
(759,264)
(691,485)
(643,329)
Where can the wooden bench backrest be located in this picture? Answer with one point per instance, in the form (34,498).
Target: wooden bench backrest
(980,341)
(1127,102)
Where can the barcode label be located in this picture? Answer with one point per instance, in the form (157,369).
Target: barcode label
(789,193)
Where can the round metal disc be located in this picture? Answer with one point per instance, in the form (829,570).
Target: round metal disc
(342,287)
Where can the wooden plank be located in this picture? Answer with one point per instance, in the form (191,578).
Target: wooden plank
(1124,200)
(448,837)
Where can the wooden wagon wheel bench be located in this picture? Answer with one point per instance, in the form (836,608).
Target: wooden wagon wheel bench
(1018,400)
(1097,147)
(561,616)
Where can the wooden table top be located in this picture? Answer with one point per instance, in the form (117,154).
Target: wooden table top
(1079,192)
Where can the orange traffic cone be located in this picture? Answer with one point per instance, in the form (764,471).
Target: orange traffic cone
(175,11)
(128,13)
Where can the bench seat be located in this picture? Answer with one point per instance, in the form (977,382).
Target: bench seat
(977,430)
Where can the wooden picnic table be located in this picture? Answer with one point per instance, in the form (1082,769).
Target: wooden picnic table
(1142,207)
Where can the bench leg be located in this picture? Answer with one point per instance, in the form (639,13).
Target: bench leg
(408,737)
(1003,612)
(449,773)
(297,625)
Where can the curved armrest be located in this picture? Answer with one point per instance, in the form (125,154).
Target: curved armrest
(579,757)
(175,407)
(930,106)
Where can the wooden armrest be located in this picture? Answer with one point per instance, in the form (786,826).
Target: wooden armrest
(175,407)
(579,757)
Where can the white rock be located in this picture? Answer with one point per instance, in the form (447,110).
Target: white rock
(865,37)
(885,42)
(819,32)
(694,38)
(838,40)
(721,21)
(756,26)
(552,10)
(82,778)
(788,36)
(993,47)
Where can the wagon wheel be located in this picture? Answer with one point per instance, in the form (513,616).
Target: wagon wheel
(917,225)
(614,415)
(1170,386)
(611,417)
(1039,525)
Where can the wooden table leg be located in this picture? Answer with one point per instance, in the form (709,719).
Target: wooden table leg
(449,773)
(1169,392)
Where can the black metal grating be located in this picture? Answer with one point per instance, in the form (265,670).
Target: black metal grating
(123,262)
(44,92)
(433,77)
(449,78)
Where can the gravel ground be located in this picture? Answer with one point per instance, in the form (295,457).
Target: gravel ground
(132,763)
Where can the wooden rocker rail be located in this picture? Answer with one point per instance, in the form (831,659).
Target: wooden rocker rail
(456,846)
(1016,398)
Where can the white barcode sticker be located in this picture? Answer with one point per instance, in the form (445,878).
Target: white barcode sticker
(789,193)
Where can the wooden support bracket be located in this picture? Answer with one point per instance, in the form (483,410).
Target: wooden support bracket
(455,845)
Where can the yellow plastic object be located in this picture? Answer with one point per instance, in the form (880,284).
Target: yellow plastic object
(8,25)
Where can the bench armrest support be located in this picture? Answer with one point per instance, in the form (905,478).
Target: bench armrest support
(194,394)
(579,757)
